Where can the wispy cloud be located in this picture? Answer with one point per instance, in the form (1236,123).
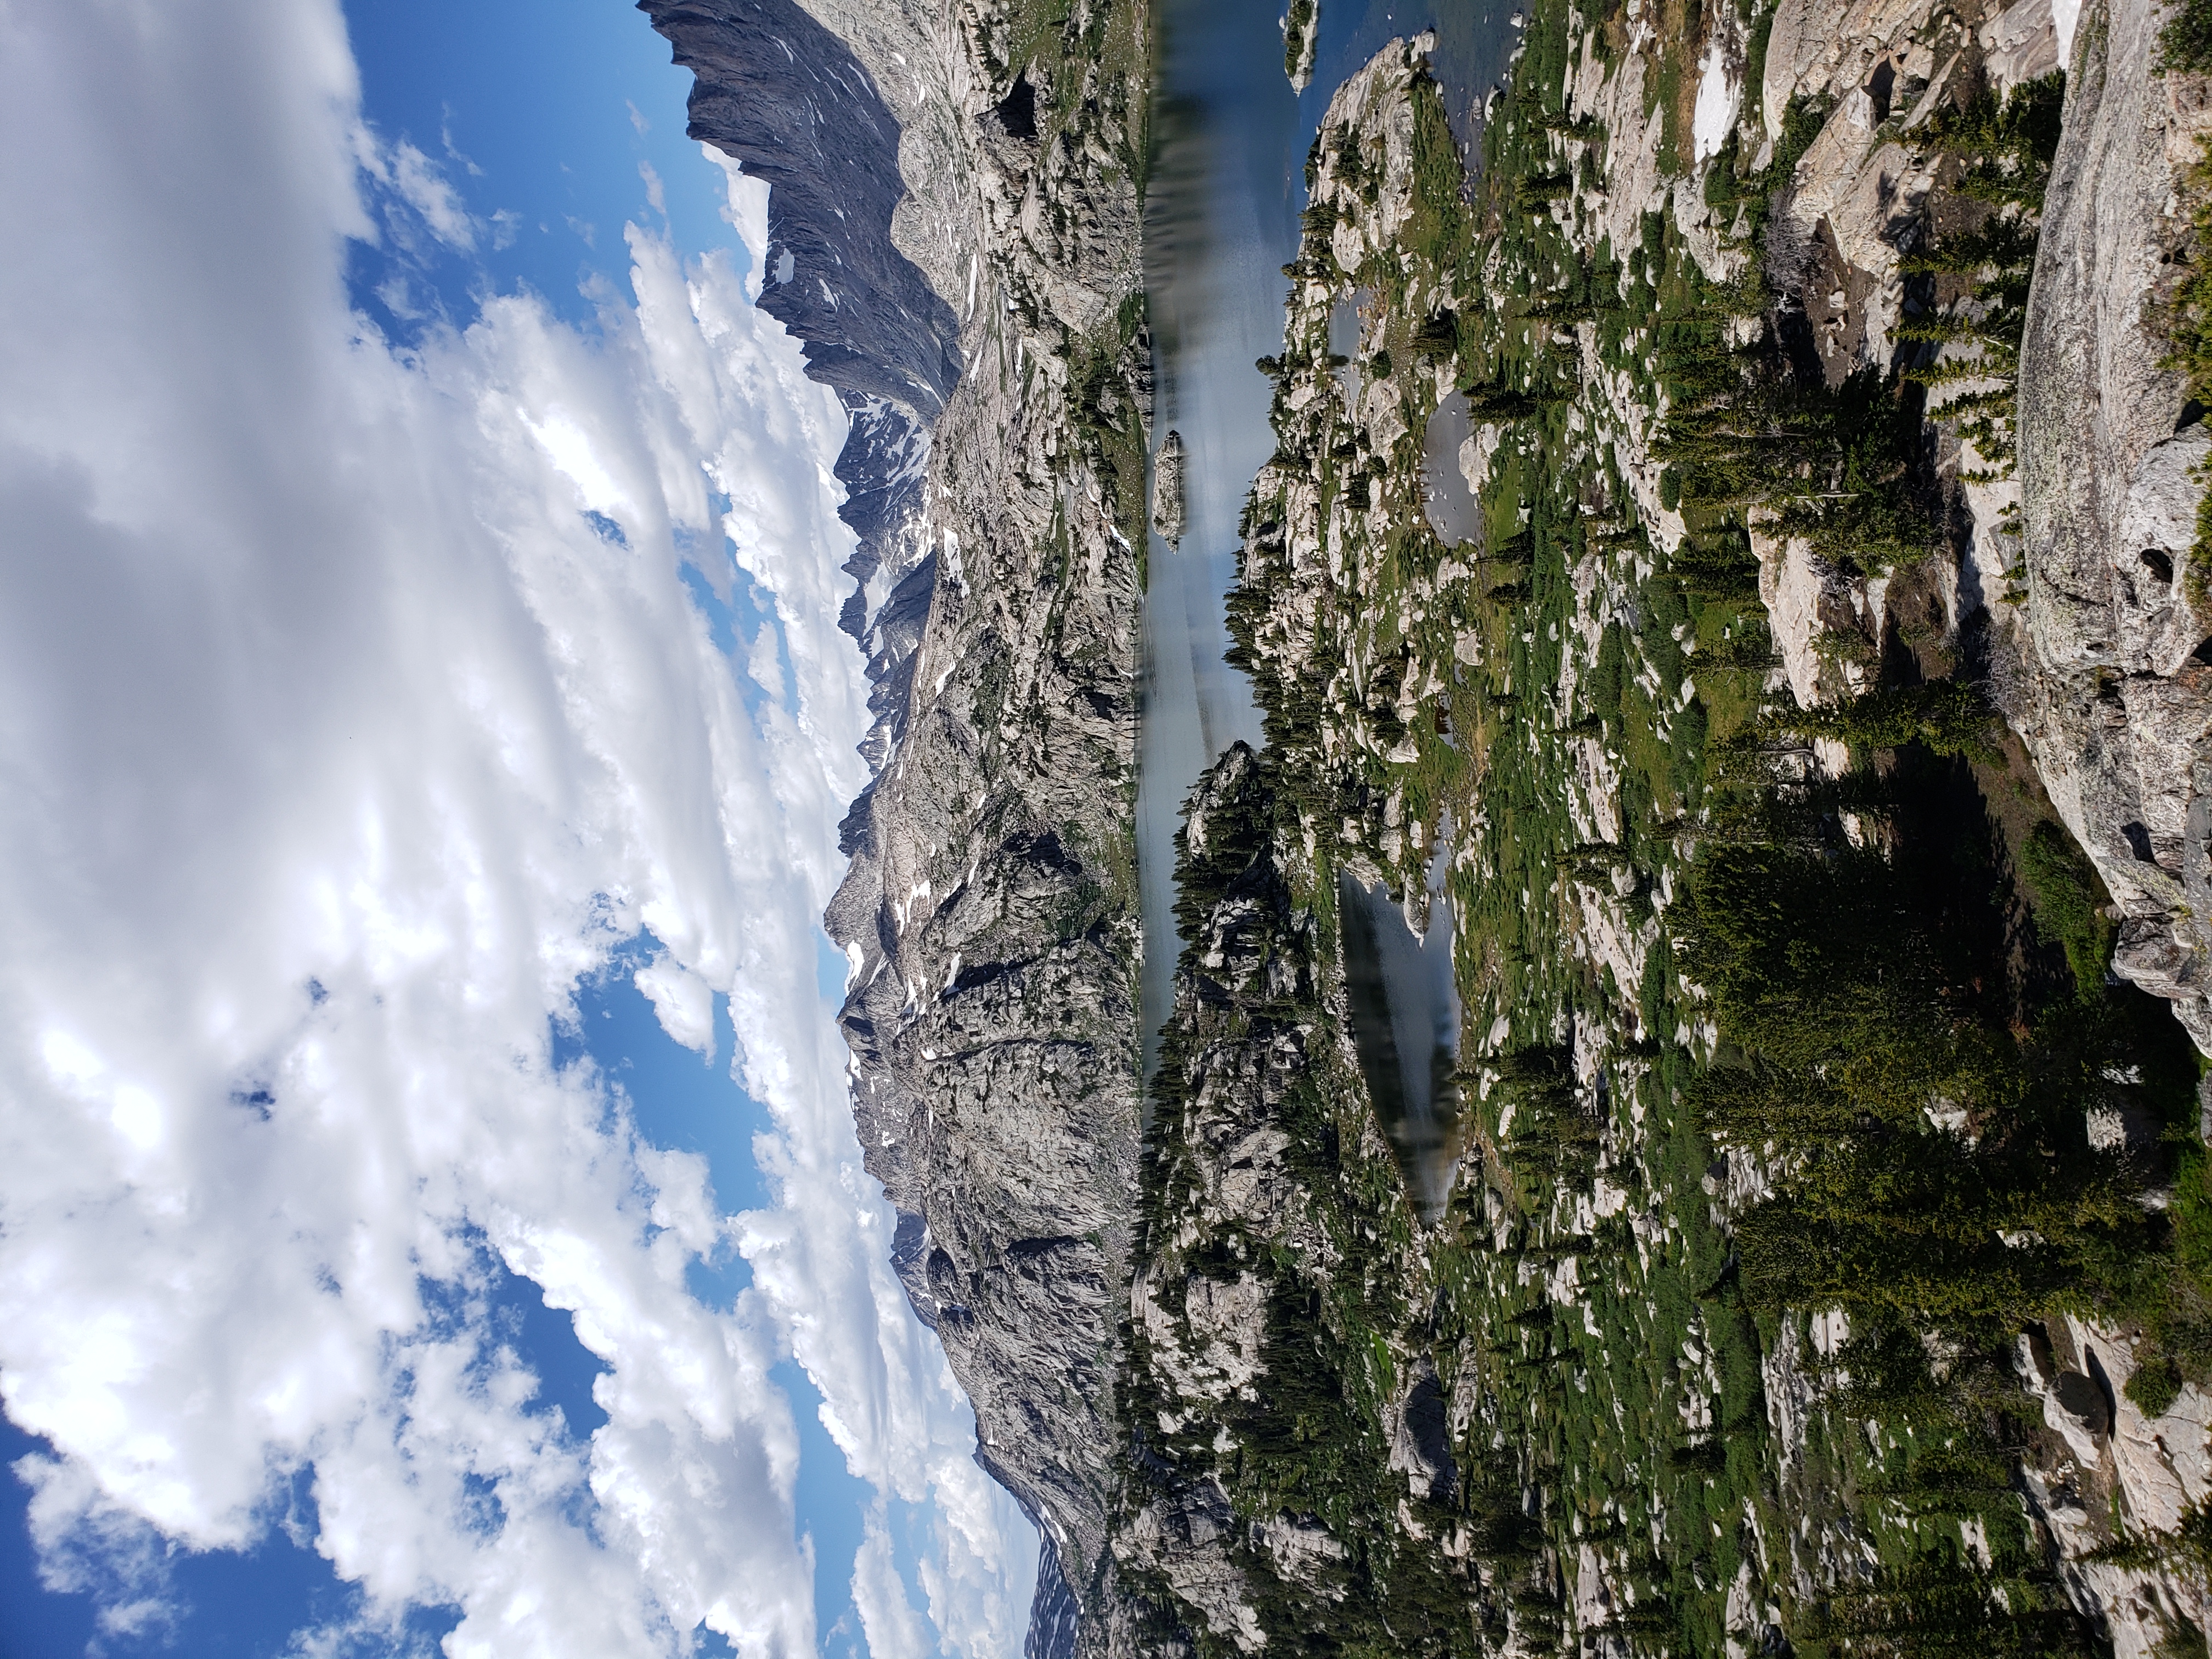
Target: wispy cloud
(420,183)
(88,1544)
(418,178)
(337,744)
(453,154)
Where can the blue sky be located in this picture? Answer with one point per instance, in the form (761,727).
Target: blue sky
(388,705)
(545,111)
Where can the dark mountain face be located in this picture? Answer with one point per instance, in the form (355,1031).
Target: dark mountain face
(786,97)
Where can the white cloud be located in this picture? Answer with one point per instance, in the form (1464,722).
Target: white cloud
(335,745)
(88,1544)
(894,1631)
(684,1001)
(419,182)
(417,178)
(745,207)
(569,449)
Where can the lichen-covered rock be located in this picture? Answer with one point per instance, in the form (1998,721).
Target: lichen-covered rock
(1229,1209)
(2105,1456)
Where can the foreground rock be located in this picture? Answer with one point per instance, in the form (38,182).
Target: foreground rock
(2117,701)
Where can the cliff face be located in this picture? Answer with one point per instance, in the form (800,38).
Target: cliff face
(786,97)
(953,221)
(2072,582)
(2117,703)
(990,909)
(2098,670)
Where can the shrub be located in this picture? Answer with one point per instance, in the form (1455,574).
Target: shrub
(2156,1385)
(2185,46)
(2067,903)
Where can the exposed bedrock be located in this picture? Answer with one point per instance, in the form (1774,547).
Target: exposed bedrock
(2116,705)
(2104,670)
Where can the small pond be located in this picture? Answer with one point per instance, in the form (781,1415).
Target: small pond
(1449,504)
(1343,341)
(1405,1021)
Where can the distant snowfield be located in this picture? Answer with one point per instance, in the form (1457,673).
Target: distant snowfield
(356,703)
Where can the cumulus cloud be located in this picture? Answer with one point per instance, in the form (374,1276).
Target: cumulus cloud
(683,1000)
(894,1631)
(353,710)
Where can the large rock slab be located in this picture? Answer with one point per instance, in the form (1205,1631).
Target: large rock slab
(2116,701)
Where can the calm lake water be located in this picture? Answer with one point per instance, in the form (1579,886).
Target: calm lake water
(1405,1023)
(1221,220)
(1453,510)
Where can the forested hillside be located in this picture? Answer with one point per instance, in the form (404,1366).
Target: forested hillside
(1827,1260)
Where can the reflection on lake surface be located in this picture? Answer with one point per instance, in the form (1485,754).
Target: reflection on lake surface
(1405,1021)
(1221,211)
(1220,221)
